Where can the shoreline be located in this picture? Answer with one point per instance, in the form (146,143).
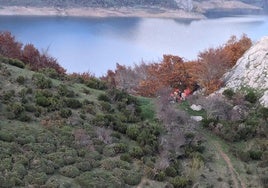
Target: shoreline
(147,12)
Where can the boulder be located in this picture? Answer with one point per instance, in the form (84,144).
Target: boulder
(197,118)
(251,70)
(196,107)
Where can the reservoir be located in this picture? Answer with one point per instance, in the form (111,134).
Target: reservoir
(96,44)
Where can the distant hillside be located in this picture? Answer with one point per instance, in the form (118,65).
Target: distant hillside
(89,3)
(188,5)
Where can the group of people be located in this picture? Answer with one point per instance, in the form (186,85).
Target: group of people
(177,95)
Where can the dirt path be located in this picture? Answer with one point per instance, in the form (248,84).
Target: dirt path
(238,183)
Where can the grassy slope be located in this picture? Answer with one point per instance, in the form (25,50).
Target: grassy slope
(246,171)
(39,146)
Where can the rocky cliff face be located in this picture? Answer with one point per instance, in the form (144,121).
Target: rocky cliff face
(251,70)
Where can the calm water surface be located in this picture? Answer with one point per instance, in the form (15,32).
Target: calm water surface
(97,44)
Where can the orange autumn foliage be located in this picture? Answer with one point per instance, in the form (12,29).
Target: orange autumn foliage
(28,54)
(171,72)
(174,72)
(213,63)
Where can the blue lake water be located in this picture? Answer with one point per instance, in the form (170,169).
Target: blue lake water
(97,44)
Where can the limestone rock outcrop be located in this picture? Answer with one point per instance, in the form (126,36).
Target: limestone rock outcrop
(251,70)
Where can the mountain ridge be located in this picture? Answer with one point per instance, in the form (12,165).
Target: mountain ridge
(212,7)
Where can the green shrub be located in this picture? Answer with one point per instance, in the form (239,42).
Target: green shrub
(73,103)
(42,101)
(120,148)
(20,80)
(24,117)
(161,176)
(50,72)
(16,108)
(99,178)
(136,152)
(251,97)
(263,112)
(41,82)
(56,158)
(105,106)
(20,170)
(16,63)
(65,113)
(96,84)
(29,107)
(206,122)
(179,182)
(228,93)
(255,154)
(69,171)
(103,97)
(84,166)
(53,182)
(38,178)
(108,151)
(8,95)
(120,127)
(126,157)
(133,132)
(6,136)
(171,171)
(5,164)
(132,178)
(64,91)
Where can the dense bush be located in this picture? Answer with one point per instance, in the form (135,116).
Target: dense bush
(41,81)
(136,152)
(98,178)
(8,95)
(229,93)
(171,171)
(50,72)
(69,171)
(104,97)
(65,113)
(125,157)
(84,166)
(255,154)
(251,97)
(11,61)
(20,80)
(17,63)
(133,132)
(96,83)
(120,148)
(73,103)
(179,182)
(42,101)
(64,91)
(132,178)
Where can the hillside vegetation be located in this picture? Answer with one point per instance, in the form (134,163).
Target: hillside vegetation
(61,130)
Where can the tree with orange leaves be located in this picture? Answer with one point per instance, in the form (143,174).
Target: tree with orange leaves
(171,72)
(9,47)
(213,63)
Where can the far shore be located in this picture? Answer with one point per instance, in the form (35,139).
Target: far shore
(149,12)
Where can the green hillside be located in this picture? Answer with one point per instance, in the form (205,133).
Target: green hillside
(57,131)
(63,131)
